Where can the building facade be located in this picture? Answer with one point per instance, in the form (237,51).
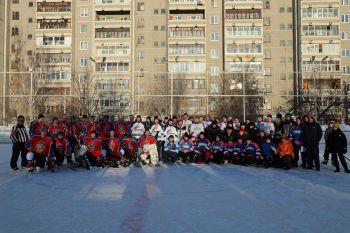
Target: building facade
(173,56)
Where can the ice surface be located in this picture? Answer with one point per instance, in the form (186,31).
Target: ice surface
(174,198)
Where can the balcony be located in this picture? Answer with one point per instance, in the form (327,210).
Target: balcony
(54,24)
(239,16)
(53,7)
(107,5)
(112,33)
(186,4)
(113,18)
(187,33)
(54,58)
(244,4)
(187,18)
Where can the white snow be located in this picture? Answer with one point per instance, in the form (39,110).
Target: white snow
(177,198)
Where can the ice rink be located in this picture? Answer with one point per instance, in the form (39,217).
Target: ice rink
(175,198)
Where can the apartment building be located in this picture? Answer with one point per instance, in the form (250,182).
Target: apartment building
(173,56)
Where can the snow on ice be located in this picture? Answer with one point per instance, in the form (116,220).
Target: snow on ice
(174,198)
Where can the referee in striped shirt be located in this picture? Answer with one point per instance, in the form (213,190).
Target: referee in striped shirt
(19,138)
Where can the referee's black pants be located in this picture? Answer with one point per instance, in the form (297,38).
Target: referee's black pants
(18,148)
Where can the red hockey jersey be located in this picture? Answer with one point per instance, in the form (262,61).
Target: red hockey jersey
(120,129)
(59,147)
(94,146)
(36,127)
(113,145)
(147,140)
(54,129)
(41,146)
(105,128)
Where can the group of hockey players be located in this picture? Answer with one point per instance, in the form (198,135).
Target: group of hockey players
(90,142)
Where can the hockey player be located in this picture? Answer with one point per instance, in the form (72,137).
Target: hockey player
(171,150)
(55,128)
(181,130)
(148,123)
(157,133)
(187,121)
(36,126)
(217,148)
(269,126)
(129,145)
(105,127)
(39,148)
(251,153)
(268,151)
(260,124)
(326,138)
(120,127)
(196,127)
(138,129)
(285,153)
(171,130)
(238,151)
(186,149)
(202,149)
(91,126)
(61,149)
(94,150)
(145,143)
(114,150)
(229,151)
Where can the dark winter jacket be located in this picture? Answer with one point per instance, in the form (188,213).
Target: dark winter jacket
(326,135)
(211,132)
(311,134)
(337,141)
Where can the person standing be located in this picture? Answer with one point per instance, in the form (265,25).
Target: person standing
(326,138)
(338,146)
(312,135)
(19,137)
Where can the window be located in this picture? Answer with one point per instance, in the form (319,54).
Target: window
(282,27)
(345,53)
(289,9)
(267,21)
(156,11)
(15,1)
(84,12)
(14,31)
(346,69)
(83,62)
(15,15)
(214,19)
(30,53)
(214,70)
(214,53)
(83,45)
(162,28)
(214,36)
(163,11)
(268,88)
(155,28)
(155,44)
(140,40)
(30,4)
(344,35)
(155,60)
(267,71)
(163,44)
(140,6)
(345,2)
(141,56)
(345,18)
(30,36)
(267,54)
(214,3)
(30,20)
(267,4)
(283,77)
(83,28)
(282,43)
(281,9)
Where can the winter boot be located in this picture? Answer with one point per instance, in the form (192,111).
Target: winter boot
(325,162)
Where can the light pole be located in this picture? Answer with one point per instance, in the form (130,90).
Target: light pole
(30,69)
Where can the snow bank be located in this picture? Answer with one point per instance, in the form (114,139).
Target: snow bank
(178,198)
